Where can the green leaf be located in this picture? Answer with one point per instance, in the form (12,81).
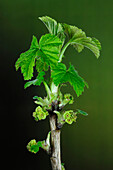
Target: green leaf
(27,60)
(60,32)
(34,148)
(97,43)
(43,102)
(79,40)
(53,27)
(37,81)
(46,53)
(89,43)
(61,75)
(40,65)
(34,43)
(82,112)
(49,48)
(73,33)
(50,23)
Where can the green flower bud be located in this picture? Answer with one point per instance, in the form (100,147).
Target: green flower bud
(38,109)
(69,97)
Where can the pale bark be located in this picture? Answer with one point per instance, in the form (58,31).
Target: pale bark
(55,143)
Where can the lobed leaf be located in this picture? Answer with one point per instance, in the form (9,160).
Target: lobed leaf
(53,27)
(76,36)
(40,65)
(49,49)
(88,43)
(73,33)
(50,23)
(79,40)
(37,81)
(61,75)
(27,60)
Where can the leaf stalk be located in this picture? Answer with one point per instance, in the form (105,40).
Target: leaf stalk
(63,50)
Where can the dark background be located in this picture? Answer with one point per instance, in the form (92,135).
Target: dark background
(87,144)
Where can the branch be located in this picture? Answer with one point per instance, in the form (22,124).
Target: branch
(55,144)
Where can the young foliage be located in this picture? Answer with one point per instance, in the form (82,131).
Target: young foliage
(27,60)
(79,40)
(53,27)
(41,65)
(42,102)
(39,79)
(61,75)
(47,51)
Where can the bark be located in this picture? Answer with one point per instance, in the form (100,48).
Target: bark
(55,143)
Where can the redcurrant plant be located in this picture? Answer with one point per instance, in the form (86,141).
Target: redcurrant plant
(46,55)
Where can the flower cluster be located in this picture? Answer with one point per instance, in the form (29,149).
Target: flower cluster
(70,116)
(30,144)
(40,113)
(66,99)
(34,146)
